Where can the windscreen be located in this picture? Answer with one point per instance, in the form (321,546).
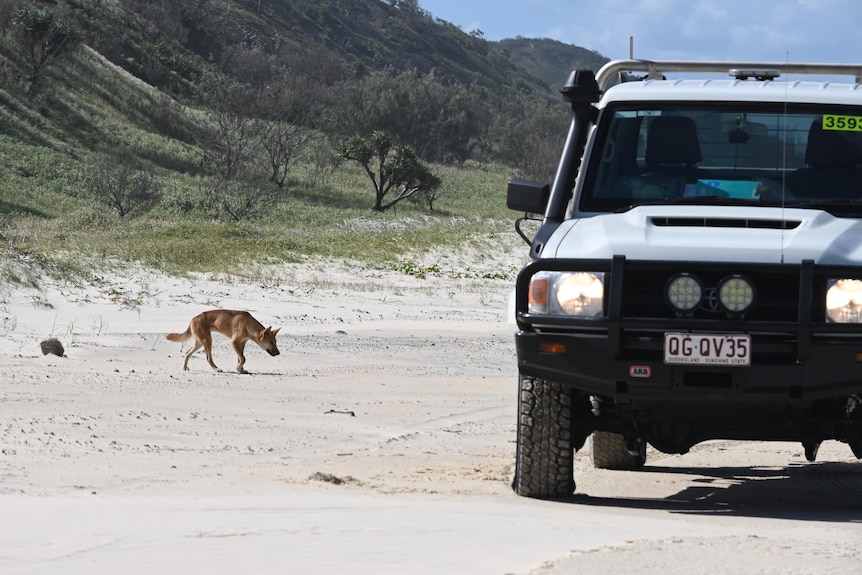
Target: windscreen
(739,154)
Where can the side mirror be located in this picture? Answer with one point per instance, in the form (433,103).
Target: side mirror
(528,197)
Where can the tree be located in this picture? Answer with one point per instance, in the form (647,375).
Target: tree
(231,143)
(439,119)
(118,183)
(289,112)
(237,199)
(395,170)
(528,133)
(281,143)
(430,195)
(47,38)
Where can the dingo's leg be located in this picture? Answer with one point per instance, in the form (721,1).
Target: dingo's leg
(208,348)
(239,348)
(194,348)
(203,338)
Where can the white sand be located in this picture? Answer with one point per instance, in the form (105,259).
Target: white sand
(381,440)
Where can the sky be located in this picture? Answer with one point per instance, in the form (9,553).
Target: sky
(742,30)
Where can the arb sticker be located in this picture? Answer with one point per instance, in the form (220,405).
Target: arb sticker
(643,371)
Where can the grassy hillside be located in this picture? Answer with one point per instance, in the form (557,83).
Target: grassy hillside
(548,60)
(143,82)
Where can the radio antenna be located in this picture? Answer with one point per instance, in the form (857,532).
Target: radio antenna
(784,157)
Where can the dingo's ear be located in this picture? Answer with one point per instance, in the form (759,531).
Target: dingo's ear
(275,331)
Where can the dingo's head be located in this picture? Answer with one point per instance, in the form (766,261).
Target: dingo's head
(267,340)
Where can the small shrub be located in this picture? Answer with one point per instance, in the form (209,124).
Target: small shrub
(117,183)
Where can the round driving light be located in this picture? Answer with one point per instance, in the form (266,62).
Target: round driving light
(736,294)
(684,292)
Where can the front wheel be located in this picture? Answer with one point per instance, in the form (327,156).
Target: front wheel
(544,457)
(610,451)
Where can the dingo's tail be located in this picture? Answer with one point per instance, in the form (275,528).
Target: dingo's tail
(186,335)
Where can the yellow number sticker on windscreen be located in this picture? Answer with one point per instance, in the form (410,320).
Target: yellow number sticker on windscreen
(842,123)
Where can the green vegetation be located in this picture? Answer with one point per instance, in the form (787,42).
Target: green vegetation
(549,60)
(78,235)
(395,171)
(203,135)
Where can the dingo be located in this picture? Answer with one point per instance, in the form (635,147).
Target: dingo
(239,326)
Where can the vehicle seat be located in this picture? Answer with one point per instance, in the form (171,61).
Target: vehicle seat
(672,141)
(672,152)
(833,160)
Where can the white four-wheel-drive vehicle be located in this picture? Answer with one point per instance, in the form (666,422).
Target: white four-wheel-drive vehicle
(697,274)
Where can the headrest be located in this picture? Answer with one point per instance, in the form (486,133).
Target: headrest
(672,140)
(831,148)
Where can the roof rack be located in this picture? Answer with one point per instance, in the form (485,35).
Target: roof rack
(609,73)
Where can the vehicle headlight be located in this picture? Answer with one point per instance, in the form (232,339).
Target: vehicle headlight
(844,301)
(579,294)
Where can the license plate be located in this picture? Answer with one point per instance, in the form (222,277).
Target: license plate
(707,349)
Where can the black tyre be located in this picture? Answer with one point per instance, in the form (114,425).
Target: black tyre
(544,460)
(609,451)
